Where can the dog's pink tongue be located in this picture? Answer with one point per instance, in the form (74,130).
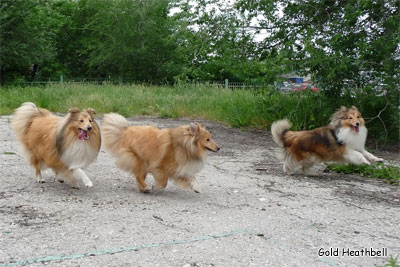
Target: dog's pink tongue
(82,134)
(356,128)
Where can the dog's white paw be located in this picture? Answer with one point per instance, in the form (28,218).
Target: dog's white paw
(196,189)
(378,159)
(310,173)
(74,185)
(39,179)
(89,184)
(366,162)
(156,189)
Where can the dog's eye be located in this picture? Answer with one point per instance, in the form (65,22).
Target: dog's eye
(350,118)
(81,120)
(208,139)
(90,120)
(358,117)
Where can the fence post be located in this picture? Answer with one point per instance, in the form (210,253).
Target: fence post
(226,83)
(61,78)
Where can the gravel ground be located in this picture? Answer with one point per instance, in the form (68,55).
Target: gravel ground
(248,212)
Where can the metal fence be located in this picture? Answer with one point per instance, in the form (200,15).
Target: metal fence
(109,80)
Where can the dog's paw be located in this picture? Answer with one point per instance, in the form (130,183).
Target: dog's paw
(312,174)
(40,179)
(75,185)
(89,184)
(378,159)
(196,189)
(156,189)
(145,190)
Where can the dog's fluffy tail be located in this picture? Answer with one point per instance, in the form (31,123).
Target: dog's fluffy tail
(278,130)
(22,117)
(112,128)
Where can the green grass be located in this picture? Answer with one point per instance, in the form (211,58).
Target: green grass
(391,262)
(389,174)
(238,108)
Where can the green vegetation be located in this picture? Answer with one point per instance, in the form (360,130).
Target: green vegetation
(239,108)
(391,262)
(350,49)
(390,174)
(342,44)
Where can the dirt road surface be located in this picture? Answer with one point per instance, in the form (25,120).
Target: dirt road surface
(248,212)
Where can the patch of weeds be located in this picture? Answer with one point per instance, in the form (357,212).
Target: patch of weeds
(165,114)
(8,153)
(391,262)
(390,174)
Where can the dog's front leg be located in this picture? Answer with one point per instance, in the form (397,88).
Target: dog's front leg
(161,181)
(355,157)
(371,157)
(82,175)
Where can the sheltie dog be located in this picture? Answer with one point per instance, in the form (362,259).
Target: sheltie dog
(63,144)
(341,141)
(175,153)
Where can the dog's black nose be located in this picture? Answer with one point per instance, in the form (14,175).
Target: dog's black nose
(357,123)
(218,148)
(89,128)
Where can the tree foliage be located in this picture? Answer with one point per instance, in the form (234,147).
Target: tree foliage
(342,44)
(28,31)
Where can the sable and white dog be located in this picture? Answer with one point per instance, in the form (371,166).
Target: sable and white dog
(341,141)
(63,144)
(175,154)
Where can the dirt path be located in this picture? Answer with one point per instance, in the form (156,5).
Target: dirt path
(248,213)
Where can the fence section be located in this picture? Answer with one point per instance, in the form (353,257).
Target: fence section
(109,80)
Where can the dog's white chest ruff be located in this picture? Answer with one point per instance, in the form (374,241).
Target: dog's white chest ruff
(79,155)
(353,140)
(189,168)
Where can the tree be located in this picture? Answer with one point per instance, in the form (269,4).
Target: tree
(130,39)
(217,44)
(341,43)
(27,35)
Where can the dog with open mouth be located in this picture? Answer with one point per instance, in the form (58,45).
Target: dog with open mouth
(173,153)
(341,141)
(66,145)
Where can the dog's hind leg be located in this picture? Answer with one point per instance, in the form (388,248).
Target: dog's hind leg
(140,175)
(38,173)
(290,165)
(79,173)
(39,177)
(306,168)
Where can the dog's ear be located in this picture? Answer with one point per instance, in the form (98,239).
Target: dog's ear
(91,111)
(74,110)
(343,109)
(194,128)
(354,108)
